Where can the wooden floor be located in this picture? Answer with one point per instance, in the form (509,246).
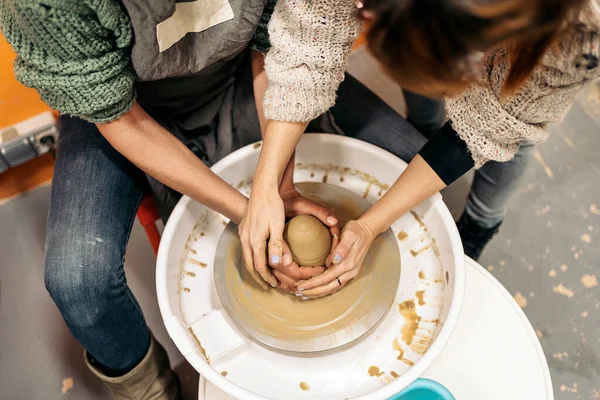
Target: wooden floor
(25,177)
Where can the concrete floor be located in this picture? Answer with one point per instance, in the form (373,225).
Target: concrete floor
(546,255)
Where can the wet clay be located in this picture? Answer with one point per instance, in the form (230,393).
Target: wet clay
(272,316)
(308,239)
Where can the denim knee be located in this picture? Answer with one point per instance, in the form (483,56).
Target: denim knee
(78,278)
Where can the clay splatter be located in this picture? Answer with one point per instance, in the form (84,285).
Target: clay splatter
(547,169)
(187,290)
(564,267)
(420,294)
(394,374)
(402,236)
(193,251)
(561,289)
(543,211)
(188,273)
(560,356)
(569,142)
(67,384)
(594,209)
(198,263)
(447,277)
(521,300)
(589,281)
(374,371)
(202,349)
(584,314)
(552,273)
(502,263)
(421,275)
(409,330)
(256,145)
(304,386)
(539,334)
(569,389)
(490,268)
(586,238)
(224,373)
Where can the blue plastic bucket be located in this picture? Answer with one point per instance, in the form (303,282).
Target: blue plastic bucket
(424,389)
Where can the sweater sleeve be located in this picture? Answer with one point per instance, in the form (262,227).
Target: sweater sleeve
(74,53)
(310,43)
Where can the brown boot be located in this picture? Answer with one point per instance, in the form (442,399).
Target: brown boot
(151,379)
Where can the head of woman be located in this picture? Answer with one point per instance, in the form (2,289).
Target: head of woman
(432,46)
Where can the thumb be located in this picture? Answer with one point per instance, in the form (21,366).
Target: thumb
(340,252)
(276,246)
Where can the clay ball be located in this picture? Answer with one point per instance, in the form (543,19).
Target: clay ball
(308,239)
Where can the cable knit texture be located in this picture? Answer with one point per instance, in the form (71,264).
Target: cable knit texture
(310,42)
(493,127)
(74,52)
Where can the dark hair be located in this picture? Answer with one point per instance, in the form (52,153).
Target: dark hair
(430,46)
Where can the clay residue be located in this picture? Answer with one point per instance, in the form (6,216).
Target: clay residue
(416,253)
(543,211)
(408,312)
(187,290)
(589,281)
(421,275)
(584,314)
(188,273)
(420,294)
(374,371)
(552,273)
(561,289)
(521,300)
(67,384)
(394,374)
(367,190)
(202,349)
(224,373)
(193,251)
(326,168)
(256,145)
(447,277)
(402,236)
(586,238)
(419,220)
(594,209)
(304,386)
(564,267)
(198,263)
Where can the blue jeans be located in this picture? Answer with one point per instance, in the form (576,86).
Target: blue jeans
(493,183)
(94,199)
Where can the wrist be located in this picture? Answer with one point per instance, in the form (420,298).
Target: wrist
(376,226)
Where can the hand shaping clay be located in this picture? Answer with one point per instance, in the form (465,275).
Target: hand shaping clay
(309,240)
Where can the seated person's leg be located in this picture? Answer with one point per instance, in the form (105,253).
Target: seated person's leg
(95,195)
(360,114)
(492,188)
(425,114)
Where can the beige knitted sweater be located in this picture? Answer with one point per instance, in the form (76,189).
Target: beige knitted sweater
(493,127)
(311,40)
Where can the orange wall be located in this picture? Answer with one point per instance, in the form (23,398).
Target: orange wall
(16,101)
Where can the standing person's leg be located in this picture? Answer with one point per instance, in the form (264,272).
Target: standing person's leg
(486,205)
(359,113)
(425,114)
(93,203)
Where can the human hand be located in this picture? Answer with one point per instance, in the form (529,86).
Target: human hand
(263,222)
(345,261)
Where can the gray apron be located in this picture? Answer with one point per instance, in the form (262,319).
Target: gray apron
(200,86)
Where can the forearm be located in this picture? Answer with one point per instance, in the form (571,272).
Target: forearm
(416,184)
(158,153)
(279,143)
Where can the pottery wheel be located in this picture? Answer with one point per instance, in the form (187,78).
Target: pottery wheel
(288,324)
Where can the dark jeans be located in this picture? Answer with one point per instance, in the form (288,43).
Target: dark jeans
(493,183)
(95,195)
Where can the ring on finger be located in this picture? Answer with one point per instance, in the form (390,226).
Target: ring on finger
(340,282)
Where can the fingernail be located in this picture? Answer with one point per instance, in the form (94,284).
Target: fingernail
(304,298)
(298,294)
(287,259)
(332,220)
(275,259)
(272,285)
(301,289)
(337,259)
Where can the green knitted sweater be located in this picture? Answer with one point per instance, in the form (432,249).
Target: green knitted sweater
(76,53)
